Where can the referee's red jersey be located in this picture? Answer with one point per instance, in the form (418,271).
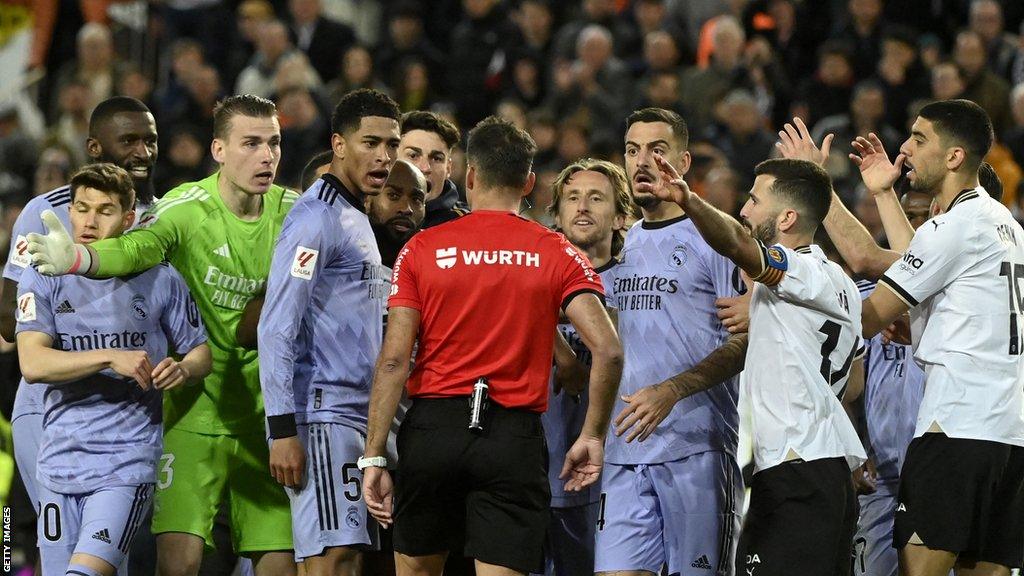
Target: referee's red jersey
(488,287)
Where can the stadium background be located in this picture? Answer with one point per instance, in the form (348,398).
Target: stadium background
(567,71)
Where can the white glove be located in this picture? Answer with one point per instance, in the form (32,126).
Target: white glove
(55,254)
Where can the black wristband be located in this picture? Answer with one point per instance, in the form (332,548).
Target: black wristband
(282,426)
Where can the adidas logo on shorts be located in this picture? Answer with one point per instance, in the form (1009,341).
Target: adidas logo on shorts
(701,562)
(102,536)
(65,307)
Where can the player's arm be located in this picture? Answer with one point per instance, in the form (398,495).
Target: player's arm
(186,335)
(8,305)
(40,362)
(246,334)
(294,271)
(898,231)
(389,376)
(646,408)
(585,458)
(853,403)
(854,242)
(54,253)
(880,309)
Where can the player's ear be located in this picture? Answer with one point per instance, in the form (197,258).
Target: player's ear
(338,145)
(787,220)
(683,166)
(128,220)
(93,148)
(530,181)
(217,150)
(955,158)
(470,177)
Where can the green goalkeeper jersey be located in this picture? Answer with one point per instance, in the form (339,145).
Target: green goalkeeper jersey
(225,262)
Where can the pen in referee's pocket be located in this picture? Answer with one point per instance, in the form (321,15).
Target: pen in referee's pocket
(477,404)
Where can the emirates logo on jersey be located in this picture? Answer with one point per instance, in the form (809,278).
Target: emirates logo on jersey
(445,257)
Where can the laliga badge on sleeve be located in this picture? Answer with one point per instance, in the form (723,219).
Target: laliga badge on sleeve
(304,262)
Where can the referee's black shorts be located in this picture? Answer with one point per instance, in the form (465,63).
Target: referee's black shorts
(801,520)
(963,496)
(485,494)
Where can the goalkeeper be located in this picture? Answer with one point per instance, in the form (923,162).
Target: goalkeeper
(219,233)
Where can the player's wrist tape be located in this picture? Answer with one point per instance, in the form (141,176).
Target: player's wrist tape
(83,260)
(365,462)
(282,426)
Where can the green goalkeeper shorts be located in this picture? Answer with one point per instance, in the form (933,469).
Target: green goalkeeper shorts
(197,472)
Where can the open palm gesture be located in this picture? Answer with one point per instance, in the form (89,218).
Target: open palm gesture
(877,172)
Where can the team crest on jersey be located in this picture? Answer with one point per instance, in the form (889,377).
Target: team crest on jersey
(677,259)
(27,307)
(777,256)
(352,518)
(138,307)
(304,262)
(445,257)
(19,252)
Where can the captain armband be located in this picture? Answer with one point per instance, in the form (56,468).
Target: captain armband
(774,264)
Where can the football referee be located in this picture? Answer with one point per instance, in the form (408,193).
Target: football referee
(482,294)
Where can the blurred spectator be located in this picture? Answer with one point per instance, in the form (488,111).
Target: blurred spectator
(987,20)
(320,38)
(947,81)
(137,85)
(295,71)
(901,73)
(931,50)
(364,17)
(535,22)
(186,58)
(272,44)
(202,90)
(660,53)
(721,189)
(828,92)
(512,111)
(690,17)
(480,46)
(1006,169)
(406,39)
(94,65)
(705,87)
(662,90)
(596,83)
(544,130)
(573,142)
(1015,136)
(866,115)
(704,157)
(863,33)
(75,102)
(867,212)
(601,13)
(18,152)
(184,159)
(356,72)
(790,28)
(413,89)
(54,168)
(249,16)
(528,84)
(305,130)
(744,140)
(203,20)
(983,85)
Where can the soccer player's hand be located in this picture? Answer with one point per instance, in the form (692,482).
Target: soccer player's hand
(55,253)
(169,374)
(133,364)
(673,188)
(864,478)
(287,461)
(583,463)
(877,172)
(734,312)
(898,331)
(644,410)
(795,142)
(377,492)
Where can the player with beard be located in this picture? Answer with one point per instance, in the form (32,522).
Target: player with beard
(672,488)
(398,211)
(804,339)
(590,203)
(320,332)
(122,131)
(428,141)
(219,234)
(957,275)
